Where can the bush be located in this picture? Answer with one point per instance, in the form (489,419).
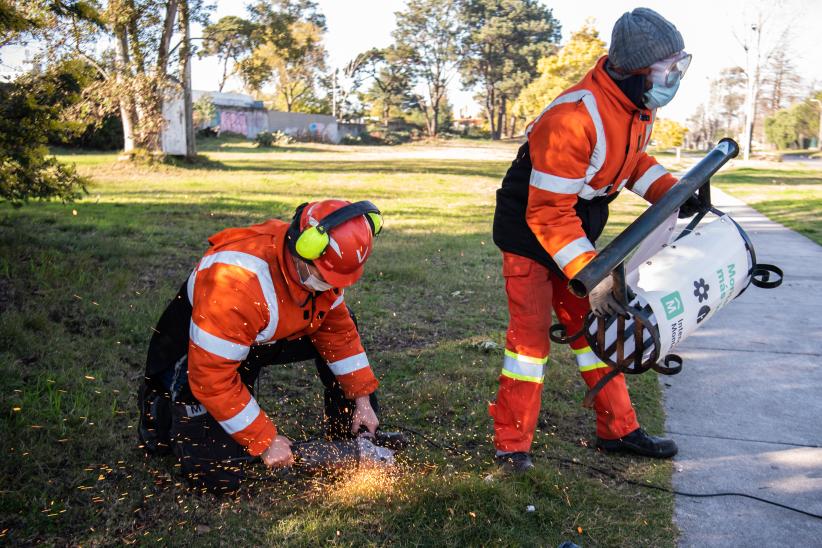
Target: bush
(268,139)
(108,135)
(29,111)
(206,133)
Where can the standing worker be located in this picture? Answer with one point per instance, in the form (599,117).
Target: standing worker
(581,151)
(266,294)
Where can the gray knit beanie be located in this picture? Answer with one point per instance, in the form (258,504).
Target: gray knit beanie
(641,38)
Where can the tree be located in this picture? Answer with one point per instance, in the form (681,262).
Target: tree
(702,129)
(668,134)
(390,80)
(204,110)
(763,33)
(780,129)
(781,83)
(504,41)
(796,125)
(230,40)
(30,109)
(727,99)
(428,36)
(135,75)
(560,71)
(287,50)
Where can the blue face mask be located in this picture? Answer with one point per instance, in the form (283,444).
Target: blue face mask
(660,95)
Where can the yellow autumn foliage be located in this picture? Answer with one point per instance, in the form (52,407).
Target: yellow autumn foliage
(560,71)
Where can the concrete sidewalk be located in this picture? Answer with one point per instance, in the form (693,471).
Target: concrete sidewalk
(746,410)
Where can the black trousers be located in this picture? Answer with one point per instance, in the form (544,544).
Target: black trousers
(209,456)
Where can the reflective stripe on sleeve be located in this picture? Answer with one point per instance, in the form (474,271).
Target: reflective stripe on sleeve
(241,420)
(337,302)
(572,250)
(523,368)
(648,178)
(217,346)
(554,183)
(259,268)
(597,159)
(349,365)
(587,360)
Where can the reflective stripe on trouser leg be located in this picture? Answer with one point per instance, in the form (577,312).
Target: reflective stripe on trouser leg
(615,414)
(516,409)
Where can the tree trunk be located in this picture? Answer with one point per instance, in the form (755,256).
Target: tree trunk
(165,39)
(512,126)
(435,118)
(225,75)
(500,117)
(490,111)
(386,112)
(185,70)
(127,114)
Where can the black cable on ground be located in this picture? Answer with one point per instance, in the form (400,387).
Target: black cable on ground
(615,477)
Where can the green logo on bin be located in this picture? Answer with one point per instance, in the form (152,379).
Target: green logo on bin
(673,305)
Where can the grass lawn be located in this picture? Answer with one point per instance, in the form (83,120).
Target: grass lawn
(789,193)
(82,285)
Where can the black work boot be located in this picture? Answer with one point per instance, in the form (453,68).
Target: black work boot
(639,442)
(154,426)
(514,463)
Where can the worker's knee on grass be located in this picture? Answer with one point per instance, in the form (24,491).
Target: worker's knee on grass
(208,456)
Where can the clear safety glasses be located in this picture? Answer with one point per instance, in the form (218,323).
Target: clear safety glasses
(669,71)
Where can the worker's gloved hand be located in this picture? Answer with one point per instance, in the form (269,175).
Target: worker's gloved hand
(602,299)
(690,207)
(364,416)
(278,454)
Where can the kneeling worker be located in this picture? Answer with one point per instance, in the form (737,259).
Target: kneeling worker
(265,294)
(582,150)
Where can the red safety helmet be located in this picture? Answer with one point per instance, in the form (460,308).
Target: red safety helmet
(336,236)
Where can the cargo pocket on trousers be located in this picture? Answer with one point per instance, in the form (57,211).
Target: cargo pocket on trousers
(526,283)
(210,459)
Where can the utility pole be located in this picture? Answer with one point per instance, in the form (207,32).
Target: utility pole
(752,47)
(334,93)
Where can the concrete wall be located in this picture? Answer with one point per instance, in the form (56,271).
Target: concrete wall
(243,121)
(320,127)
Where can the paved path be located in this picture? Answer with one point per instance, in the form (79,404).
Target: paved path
(746,410)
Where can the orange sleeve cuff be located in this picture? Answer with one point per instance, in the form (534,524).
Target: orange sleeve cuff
(578,263)
(358,383)
(660,187)
(262,440)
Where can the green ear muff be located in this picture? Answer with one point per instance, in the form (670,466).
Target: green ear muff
(311,243)
(376,222)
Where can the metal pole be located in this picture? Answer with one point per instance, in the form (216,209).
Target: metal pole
(615,252)
(819,136)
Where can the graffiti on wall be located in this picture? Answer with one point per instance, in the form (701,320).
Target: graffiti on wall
(233,121)
(244,122)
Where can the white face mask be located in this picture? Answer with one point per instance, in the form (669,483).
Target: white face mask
(308,279)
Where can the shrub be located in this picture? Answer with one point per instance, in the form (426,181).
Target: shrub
(268,139)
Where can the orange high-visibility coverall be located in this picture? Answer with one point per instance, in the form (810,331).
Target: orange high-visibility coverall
(587,145)
(242,295)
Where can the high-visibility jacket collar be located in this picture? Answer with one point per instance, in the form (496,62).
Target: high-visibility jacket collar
(275,255)
(604,82)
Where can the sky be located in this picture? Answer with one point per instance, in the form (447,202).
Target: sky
(708,27)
